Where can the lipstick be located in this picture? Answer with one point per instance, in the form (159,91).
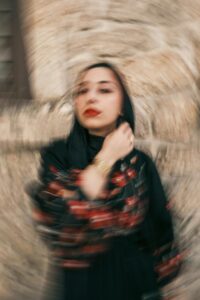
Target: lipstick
(91,112)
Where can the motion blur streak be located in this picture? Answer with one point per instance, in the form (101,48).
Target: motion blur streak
(156,44)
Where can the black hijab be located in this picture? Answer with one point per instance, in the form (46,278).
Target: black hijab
(82,146)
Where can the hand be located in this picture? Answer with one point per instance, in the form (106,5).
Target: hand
(118,143)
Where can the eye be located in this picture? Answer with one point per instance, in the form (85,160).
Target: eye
(81,92)
(105,91)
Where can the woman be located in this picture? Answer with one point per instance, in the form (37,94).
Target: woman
(101,207)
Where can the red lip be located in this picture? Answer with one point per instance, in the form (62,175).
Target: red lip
(91,112)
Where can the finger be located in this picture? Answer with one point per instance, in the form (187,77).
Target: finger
(126,128)
(130,134)
(131,139)
(131,143)
(124,125)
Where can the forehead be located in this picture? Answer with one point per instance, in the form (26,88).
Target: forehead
(99,74)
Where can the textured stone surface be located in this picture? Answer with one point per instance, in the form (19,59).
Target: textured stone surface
(158,73)
(34,124)
(184,193)
(178,160)
(175,117)
(155,12)
(22,254)
(172,117)
(143,126)
(134,34)
(156,44)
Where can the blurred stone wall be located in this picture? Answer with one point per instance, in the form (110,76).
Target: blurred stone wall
(156,44)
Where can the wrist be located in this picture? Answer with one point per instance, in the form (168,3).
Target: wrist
(106,157)
(103,164)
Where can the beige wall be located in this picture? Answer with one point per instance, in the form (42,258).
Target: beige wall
(46,48)
(60,35)
(157,46)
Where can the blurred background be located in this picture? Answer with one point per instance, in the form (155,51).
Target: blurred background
(43,45)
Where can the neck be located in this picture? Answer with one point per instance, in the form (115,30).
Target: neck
(103,132)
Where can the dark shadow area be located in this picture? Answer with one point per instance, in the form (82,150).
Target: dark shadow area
(14,79)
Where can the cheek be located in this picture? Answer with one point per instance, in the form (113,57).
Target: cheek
(76,103)
(115,103)
(78,106)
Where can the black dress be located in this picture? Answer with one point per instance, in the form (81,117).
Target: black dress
(127,270)
(123,273)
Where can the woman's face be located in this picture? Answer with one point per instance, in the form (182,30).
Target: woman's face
(98,101)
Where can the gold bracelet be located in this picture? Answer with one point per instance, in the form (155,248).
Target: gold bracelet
(102,166)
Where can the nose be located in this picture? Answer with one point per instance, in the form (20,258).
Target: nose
(91,96)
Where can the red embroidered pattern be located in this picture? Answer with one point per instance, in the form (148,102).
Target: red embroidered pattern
(77,229)
(88,224)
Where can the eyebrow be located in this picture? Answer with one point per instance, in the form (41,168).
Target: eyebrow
(101,82)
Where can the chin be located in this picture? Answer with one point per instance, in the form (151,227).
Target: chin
(93,124)
(92,127)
